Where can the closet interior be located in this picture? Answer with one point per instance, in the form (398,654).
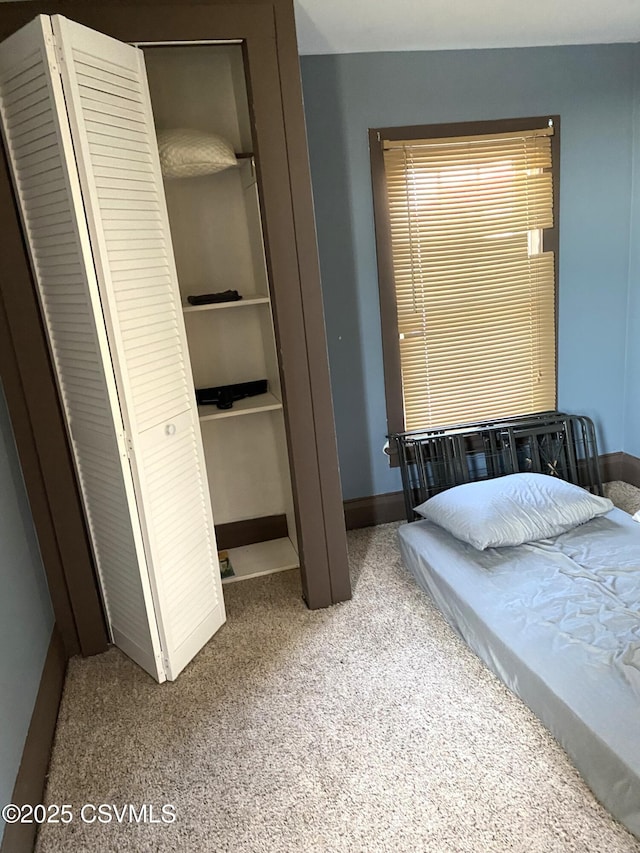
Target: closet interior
(219,246)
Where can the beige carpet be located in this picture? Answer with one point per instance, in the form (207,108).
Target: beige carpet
(368,727)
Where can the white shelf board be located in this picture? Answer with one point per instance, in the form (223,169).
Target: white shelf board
(238,303)
(249,406)
(262,558)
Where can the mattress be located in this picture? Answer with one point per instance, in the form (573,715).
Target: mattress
(559,622)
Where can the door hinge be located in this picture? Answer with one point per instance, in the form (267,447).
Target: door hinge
(126,445)
(54,55)
(59,55)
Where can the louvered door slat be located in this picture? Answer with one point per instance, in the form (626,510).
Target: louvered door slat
(94,74)
(124,135)
(31,122)
(49,207)
(103,83)
(54,240)
(41,131)
(26,100)
(116,162)
(151,363)
(63,269)
(41,155)
(104,155)
(116,184)
(37,144)
(104,122)
(115,194)
(52,192)
(34,169)
(88,60)
(23,71)
(24,93)
(100,143)
(133,242)
(116,172)
(131,217)
(107,105)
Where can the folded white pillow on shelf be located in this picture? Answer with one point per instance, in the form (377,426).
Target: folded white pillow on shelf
(186,153)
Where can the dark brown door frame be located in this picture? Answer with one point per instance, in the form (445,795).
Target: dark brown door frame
(312,305)
(286,195)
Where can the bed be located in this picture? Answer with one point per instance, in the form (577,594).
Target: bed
(558,620)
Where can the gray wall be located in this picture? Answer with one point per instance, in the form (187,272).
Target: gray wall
(593,89)
(26,616)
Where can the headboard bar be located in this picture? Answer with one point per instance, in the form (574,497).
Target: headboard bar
(553,443)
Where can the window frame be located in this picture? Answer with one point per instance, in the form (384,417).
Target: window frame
(386,284)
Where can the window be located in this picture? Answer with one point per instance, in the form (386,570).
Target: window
(466,232)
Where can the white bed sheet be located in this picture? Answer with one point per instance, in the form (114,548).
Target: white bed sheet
(559,622)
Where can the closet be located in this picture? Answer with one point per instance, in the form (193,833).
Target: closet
(120,254)
(217,235)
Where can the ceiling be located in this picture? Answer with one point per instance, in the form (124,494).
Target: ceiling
(357,26)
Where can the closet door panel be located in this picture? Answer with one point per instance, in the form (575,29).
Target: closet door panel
(182,545)
(105,86)
(105,81)
(38,143)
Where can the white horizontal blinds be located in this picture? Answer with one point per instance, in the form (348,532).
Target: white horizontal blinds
(37,139)
(110,113)
(475,293)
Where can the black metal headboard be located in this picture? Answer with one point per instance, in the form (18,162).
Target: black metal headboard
(551,443)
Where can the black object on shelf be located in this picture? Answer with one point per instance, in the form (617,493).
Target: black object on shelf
(208,298)
(224,396)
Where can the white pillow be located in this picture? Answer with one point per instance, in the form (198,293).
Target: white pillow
(513,509)
(190,153)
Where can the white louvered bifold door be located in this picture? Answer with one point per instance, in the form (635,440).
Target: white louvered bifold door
(112,128)
(108,107)
(37,139)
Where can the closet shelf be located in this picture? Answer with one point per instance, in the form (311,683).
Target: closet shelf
(216,306)
(248,406)
(262,558)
